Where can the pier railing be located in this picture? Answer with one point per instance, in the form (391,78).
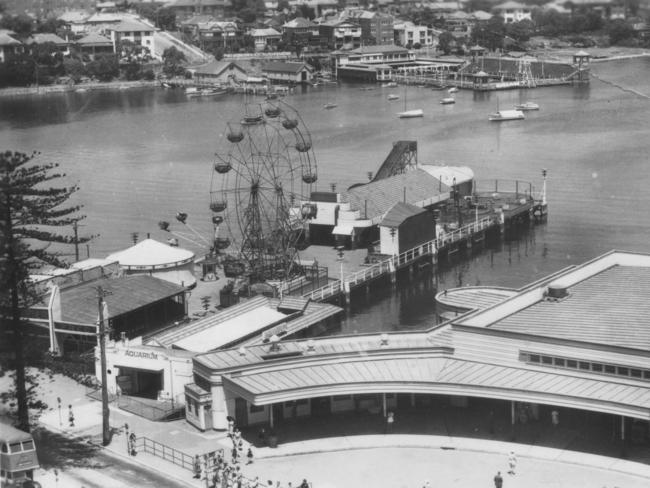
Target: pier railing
(398,261)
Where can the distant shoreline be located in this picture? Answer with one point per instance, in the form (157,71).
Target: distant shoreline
(123,85)
(45,89)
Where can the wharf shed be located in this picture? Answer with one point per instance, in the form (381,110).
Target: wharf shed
(404,227)
(353,217)
(288,72)
(220,72)
(65,319)
(522,352)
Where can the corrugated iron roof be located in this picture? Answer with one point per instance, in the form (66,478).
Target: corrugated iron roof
(215,68)
(377,197)
(94,39)
(285,67)
(439,372)
(358,344)
(126,294)
(474,297)
(399,213)
(611,307)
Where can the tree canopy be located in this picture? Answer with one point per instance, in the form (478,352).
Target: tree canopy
(31,210)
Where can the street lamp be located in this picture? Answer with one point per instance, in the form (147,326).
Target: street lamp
(340,254)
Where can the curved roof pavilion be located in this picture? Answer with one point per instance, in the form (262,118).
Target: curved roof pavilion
(579,338)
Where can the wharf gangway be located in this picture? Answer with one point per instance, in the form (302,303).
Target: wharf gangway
(392,264)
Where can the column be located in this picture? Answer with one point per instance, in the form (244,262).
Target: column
(383,403)
(219,408)
(271,416)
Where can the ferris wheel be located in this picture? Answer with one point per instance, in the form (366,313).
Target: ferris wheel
(261,178)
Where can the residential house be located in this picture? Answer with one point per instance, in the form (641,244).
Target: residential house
(102,23)
(93,44)
(60,45)
(75,21)
(9,46)
(265,39)
(459,24)
(220,73)
(376,27)
(185,9)
(301,31)
(408,34)
(219,35)
(340,34)
(136,32)
(288,72)
(513,11)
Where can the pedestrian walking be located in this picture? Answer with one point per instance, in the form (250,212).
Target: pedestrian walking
(390,419)
(70,416)
(555,418)
(249,455)
(498,480)
(196,467)
(512,462)
(261,435)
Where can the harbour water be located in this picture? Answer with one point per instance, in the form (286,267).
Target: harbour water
(141,155)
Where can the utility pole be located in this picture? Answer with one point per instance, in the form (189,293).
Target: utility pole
(75,228)
(106,429)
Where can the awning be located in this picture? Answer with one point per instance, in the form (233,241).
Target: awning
(343,230)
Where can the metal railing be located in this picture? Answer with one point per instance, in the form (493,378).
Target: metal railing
(179,458)
(163,411)
(395,262)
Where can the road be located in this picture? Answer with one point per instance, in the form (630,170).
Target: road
(81,464)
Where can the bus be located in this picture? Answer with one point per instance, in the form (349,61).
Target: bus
(17,457)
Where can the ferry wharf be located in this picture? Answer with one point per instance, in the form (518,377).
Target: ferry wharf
(494,210)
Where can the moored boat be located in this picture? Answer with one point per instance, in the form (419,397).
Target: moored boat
(527,106)
(392,97)
(408,114)
(329,106)
(194,92)
(453,89)
(502,115)
(447,101)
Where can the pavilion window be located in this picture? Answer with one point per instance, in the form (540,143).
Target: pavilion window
(646,374)
(547,360)
(623,371)
(610,369)
(559,362)
(597,367)
(584,365)
(635,373)
(571,363)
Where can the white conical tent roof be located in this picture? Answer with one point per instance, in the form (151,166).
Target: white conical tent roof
(150,253)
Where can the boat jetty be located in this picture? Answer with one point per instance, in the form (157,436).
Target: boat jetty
(409,216)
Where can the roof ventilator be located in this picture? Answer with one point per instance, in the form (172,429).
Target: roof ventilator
(556,292)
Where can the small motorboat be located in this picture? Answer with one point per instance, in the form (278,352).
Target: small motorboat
(329,106)
(447,101)
(392,84)
(393,97)
(409,114)
(194,92)
(502,115)
(527,106)
(453,89)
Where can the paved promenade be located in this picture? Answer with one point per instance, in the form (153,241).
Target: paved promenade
(328,458)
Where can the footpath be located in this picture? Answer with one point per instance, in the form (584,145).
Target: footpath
(308,458)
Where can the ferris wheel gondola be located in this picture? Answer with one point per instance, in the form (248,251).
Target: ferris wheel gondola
(261,176)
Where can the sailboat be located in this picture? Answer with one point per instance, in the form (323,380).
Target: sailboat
(502,115)
(408,114)
(329,105)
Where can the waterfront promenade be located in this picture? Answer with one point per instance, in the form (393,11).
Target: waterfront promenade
(348,451)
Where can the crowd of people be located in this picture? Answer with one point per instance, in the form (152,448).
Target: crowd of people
(219,471)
